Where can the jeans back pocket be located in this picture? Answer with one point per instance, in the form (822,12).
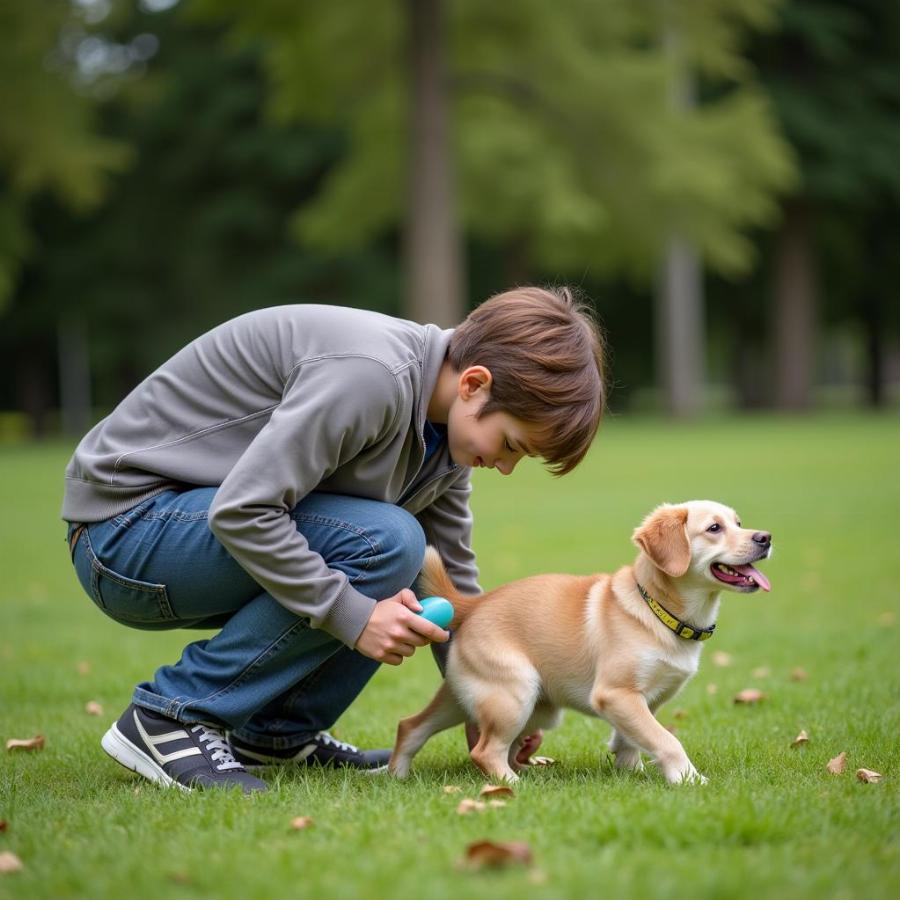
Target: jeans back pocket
(139,604)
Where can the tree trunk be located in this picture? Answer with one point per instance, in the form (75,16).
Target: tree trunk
(434,263)
(680,332)
(795,293)
(74,374)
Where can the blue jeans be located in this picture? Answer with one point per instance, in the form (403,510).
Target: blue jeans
(266,675)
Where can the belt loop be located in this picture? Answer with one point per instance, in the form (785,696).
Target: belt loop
(73,540)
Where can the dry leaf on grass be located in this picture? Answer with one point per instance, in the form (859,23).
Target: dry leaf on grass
(468,805)
(452,789)
(868,776)
(298,823)
(542,761)
(798,674)
(721,658)
(836,765)
(711,689)
(93,708)
(887,619)
(496,790)
(9,863)
(762,672)
(801,739)
(679,714)
(3,824)
(493,854)
(496,804)
(35,743)
(84,667)
(750,695)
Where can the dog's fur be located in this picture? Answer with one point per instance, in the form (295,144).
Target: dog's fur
(524,651)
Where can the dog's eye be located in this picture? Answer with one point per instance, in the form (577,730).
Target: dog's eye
(714,528)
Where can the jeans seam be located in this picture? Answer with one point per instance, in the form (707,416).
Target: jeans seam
(260,658)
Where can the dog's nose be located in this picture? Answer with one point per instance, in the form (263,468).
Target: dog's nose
(763,538)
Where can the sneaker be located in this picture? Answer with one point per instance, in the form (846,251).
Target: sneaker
(174,754)
(321,749)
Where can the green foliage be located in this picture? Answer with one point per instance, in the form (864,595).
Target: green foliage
(566,136)
(771,821)
(47,137)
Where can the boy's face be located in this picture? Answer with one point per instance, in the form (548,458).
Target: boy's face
(495,441)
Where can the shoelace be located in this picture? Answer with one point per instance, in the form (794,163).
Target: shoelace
(327,739)
(215,741)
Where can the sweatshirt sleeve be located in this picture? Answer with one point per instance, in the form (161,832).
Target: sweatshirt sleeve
(331,410)
(447,524)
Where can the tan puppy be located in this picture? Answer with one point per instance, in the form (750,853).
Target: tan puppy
(592,643)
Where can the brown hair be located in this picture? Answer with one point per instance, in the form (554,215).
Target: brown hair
(546,355)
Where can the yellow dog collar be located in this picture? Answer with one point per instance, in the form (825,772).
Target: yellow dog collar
(682,629)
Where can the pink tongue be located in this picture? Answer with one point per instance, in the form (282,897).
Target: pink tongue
(755,574)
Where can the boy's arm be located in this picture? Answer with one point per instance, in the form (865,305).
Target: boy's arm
(448,527)
(331,410)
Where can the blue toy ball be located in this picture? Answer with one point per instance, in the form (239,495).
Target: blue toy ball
(438,610)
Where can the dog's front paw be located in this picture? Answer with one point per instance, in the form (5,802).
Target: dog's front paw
(689,776)
(629,760)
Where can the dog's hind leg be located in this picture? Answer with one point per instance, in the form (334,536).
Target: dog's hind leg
(501,714)
(412,733)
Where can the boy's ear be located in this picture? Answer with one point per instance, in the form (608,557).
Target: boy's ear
(663,537)
(472,380)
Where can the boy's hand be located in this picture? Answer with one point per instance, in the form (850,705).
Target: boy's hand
(394,630)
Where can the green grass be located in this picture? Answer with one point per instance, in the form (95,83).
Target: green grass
(771,822)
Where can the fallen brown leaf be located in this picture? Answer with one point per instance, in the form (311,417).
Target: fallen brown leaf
(468,805)
(887,619)
(836,765)
(721,658)
(35,743)
(179,877)
(679,714)
(762,672)
(868,776)
(750,695)
(300,822)
(93,708)
(496,790)
(799,674)
(3,824)
(492,854)
(801,738)
(711,689)
(9,863)
(542,761)
(452,789)
(84,667)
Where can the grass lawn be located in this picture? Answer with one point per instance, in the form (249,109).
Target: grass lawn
(770,823)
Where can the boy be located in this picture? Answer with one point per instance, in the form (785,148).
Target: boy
(278,477)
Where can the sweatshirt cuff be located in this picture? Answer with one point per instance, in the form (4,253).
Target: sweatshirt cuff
(349,615)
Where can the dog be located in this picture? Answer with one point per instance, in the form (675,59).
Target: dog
(613,646)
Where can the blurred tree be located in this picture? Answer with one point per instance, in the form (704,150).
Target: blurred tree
(48,142)
(194,232)
(566,146)
(833,75)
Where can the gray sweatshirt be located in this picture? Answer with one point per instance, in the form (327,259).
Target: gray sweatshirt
(271,406)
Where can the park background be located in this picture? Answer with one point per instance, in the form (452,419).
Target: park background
(718,178)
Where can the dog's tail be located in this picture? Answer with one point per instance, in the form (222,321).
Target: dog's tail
(435,581)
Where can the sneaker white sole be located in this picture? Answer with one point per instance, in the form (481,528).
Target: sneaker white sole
(127,754)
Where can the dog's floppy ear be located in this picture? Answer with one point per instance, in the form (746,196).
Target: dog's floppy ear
(663,537)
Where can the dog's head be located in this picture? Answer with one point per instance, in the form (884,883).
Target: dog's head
(702,541)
